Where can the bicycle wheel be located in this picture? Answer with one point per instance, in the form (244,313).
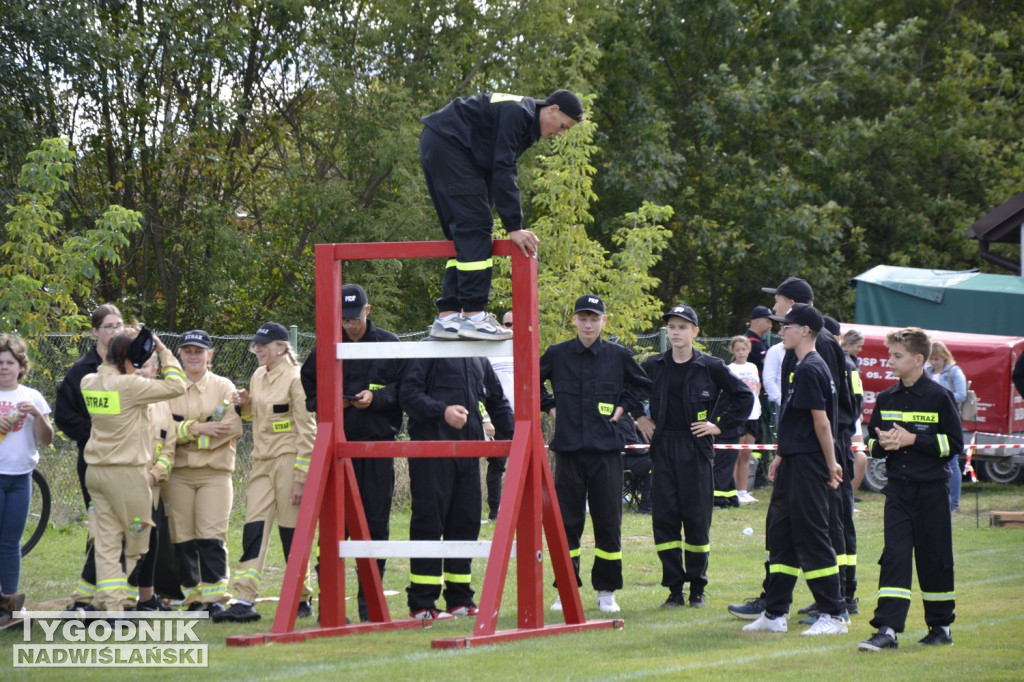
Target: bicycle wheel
(38,513)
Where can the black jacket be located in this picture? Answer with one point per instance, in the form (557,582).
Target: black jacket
(832,353)
(927,410)
(430,385)
(713,391)
(69,412)
(588,384)
(496,129)
(382,420)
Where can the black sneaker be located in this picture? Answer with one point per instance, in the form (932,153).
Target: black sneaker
(749,610)
(697,601)
(196,606)
(811,611)
(937,637)
(154,603)
(236,613)
(879,641)
(212,608)
(674,600)
(851,606)
(305,609)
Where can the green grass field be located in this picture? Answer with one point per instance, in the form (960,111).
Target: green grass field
(654,644)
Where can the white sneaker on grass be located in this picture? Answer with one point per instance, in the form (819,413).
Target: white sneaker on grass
(766,624)
(606,602)
(745,497)
(827,625)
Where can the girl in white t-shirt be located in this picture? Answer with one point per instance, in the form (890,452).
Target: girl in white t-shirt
(739,346)
(24,425)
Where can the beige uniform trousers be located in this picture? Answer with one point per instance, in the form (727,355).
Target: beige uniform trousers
(122,517)
(268,494)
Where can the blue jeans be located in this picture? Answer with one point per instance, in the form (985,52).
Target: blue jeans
(956,479)
(15,494)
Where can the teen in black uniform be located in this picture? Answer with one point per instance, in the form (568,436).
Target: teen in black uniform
(376,415)
(694,398)
(594,382)
(444,398)
(804,471)
(916,427)
(470,151)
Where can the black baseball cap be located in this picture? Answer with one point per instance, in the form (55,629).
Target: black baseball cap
(567,101)
(141,348)
(683,311)
(270,331)
(196,337)
(832,325)
(759,312)
(353,300)
(590,303)
(803,314)
(793,288)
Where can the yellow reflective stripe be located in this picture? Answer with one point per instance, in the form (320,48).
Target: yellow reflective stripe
(204,442)
(247,417)
(164,463)
(85,588)
(482,408)
(189,592)
(851,559)
(841,559)
(112,584)
(417,579)
(871,444)
(475,265)
(821,572)
(894,592)
(674,544)
(606,409)
(918,417)
(943,441)
(302,462)
(451,263)
(282,426)
(498,97)
(937,596)
(698,549)
(174,373)
(457,577)
(702,415)
(607,556)
(856,385)
(783,568)
(183,431)
(213,589)
(892,415)
(726,493)
(574,553)
(250,573)
(102,402)
(376,387)
(756,454)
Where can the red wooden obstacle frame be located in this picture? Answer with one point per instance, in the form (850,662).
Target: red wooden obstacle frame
(528,503)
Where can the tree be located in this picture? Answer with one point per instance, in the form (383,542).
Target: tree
(46,273)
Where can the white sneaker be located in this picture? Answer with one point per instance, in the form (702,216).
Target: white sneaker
(557,606)
(446,329)
(827,625)
(488,329)
(766,624)
(746,498)
(606,602)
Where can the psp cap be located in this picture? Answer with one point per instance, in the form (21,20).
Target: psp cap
(567,101)
(353,300)
(803,314)
(590,303)
(683,311)
(793,288)
(196,337)
(270,331)
(759,312)
(832,325)
(142,347)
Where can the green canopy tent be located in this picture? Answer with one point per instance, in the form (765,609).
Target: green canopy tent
(964,301)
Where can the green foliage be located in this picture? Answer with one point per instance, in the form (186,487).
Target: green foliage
(46,275)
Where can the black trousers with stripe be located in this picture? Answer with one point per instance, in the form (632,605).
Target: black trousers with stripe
(918,529)
(462,198)
(798,536)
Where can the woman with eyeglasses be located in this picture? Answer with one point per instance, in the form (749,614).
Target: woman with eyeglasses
(72,418)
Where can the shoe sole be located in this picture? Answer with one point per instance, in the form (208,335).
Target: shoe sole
(482,336)
(864,646)
(446,336)
(237,619)
(745,616)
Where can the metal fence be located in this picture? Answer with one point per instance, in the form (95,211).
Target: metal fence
(55,353)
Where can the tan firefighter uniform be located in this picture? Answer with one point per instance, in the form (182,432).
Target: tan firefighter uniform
(118,454)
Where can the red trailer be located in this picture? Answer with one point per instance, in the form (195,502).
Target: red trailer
(987,361)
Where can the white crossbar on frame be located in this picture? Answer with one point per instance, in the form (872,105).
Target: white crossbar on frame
(416,549)
(424,349)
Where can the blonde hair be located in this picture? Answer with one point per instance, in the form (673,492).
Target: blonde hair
(738,339)
(851,338)
(939,350)
(289,352)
